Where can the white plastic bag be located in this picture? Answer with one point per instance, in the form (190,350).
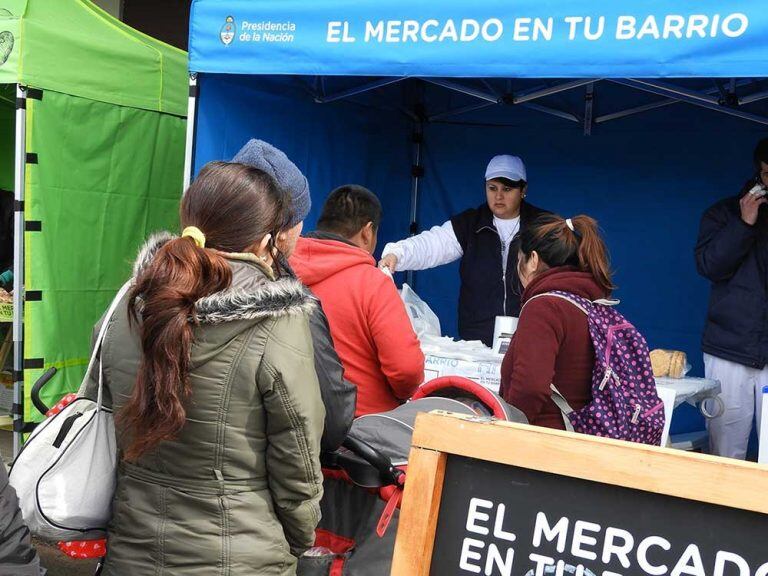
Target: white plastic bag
(423,320)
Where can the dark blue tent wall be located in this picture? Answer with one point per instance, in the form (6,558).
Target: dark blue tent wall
(647,179)
(332,144)
(647,189)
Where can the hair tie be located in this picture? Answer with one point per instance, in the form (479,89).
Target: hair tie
(196,234)
(569,223)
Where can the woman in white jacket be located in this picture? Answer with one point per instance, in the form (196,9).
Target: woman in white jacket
(486,240)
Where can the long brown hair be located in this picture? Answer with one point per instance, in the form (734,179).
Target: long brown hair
(235,206)
(559,245)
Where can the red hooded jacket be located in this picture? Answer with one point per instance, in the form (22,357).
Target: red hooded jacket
(551,346)
(370,328)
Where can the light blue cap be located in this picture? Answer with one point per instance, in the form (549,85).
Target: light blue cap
(505,166)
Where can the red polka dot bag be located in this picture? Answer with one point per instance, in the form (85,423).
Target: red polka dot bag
(625,404)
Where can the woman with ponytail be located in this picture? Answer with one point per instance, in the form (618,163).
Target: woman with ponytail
(208,366)
(552,344)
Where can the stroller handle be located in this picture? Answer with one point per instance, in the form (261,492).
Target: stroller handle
(389,473)
(38,385)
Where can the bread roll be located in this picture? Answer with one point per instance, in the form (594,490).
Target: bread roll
(669,363)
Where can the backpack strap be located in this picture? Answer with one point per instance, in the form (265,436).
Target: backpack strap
(557,397)
(607,301)
(562,403)
(555,295)
(600,301)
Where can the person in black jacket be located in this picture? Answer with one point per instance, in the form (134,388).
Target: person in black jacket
(732,253)
(17,556)
(487,240)
(339,396)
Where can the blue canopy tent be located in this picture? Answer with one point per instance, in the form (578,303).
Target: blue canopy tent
(641,114)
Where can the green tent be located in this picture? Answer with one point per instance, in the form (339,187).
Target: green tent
(92,126)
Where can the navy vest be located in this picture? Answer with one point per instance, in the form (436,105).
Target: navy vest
(485,290)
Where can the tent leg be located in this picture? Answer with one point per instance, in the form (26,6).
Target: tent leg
(20,162)
(190,145)
(417,172)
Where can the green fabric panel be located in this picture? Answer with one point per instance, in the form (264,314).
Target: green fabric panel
(11,12)
(174,87)
(74,47)
(107,177)
(7,135)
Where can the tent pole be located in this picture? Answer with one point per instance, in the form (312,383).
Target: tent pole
(589,99)
(189,147)
(689,97)
(417,172)
(481,105)
(551,111)
(20,162)
(487,84)
(757,96)
(358,90)
(523,100)
(540,93)
(661,103)
(463,89)
(462,110)
(721,88)
(677,91)
(633,111)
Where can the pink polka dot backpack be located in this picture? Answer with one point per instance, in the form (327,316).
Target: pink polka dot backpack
(624,405)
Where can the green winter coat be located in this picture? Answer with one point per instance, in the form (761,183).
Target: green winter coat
(238,491)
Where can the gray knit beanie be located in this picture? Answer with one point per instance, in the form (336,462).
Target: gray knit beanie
(264,156)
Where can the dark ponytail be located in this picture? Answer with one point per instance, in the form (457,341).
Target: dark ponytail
(593,254)
(235,206)
(164,298)
(557,244)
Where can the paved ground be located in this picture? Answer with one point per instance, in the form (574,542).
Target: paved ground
(56,563)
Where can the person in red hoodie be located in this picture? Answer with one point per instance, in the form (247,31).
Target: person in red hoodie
(552,344)
(373,336)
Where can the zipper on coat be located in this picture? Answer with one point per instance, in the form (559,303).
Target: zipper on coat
(504,265)
(504,275)
(504,279)
(503,271)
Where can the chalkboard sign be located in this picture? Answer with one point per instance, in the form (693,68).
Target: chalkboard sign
(511,500)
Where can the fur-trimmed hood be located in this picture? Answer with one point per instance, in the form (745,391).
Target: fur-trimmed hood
(253,294)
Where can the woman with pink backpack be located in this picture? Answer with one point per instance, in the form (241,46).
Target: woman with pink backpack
(575,363)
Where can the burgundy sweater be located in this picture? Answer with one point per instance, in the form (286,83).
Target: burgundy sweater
(551,345)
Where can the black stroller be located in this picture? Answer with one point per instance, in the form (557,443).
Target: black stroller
(364,480)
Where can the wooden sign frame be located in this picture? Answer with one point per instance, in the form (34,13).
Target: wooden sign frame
(699,477)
